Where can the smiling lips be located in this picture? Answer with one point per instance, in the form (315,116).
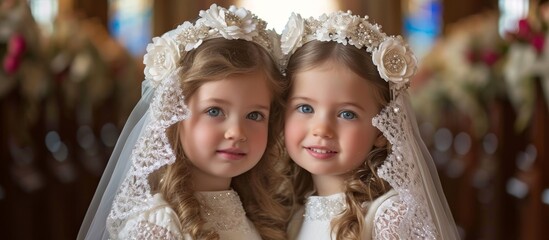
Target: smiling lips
(231,153)
(320,152)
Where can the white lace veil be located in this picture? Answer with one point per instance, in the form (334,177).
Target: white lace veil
(143,146)
(409,168)
(94,224)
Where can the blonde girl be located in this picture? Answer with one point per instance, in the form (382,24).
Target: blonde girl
(198,157)
(360,169)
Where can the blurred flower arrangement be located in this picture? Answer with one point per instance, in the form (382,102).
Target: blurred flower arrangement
(527,59)
(472,66)
(23,71)
(78,61)
(72,78)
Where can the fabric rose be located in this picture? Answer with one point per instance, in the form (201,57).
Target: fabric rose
(161,59)
(232,23)
(292,34)
(394,60)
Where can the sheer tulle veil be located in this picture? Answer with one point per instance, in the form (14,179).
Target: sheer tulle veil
(94,224)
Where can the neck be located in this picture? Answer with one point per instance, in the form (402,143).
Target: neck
(328,185)
(203,182)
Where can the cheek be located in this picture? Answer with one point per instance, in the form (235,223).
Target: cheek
(259,133)
(197,135)
(358,141)
(293,133)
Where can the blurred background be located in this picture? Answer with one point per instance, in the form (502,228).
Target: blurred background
(71,73)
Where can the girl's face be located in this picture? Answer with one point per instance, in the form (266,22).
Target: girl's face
(328,129)
(226,134)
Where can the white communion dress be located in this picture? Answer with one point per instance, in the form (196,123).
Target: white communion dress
(313,220)
(222,211)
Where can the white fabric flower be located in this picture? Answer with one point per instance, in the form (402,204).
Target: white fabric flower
(394,60)
(232,23)
(292,34)
(326,29)
(161,59)
(346,26)
(190,36)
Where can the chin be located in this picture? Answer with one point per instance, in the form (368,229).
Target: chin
(321,171)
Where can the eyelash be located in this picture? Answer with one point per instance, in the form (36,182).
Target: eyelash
(354,115)
(300,109)
(260,116)
(209,111)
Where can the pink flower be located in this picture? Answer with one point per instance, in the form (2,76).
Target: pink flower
(16,45)
(524,29)
(538,42)
(11,64)
(490,57)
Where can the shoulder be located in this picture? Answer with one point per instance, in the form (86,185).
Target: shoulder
(160,221)
(385,215)
(391,208)
(379,209)
(380,203)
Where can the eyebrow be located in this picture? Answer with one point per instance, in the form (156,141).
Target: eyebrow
(301,98)
(354,105)
(341,104)
(224,102)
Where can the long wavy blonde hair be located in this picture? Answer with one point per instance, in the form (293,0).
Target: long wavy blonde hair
(258,188)
(363,184)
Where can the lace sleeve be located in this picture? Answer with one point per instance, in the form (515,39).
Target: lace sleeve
(387,219)
(160,222)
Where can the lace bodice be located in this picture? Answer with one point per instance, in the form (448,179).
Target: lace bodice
(321,208)
(222,211)
(313,220)
(160,222)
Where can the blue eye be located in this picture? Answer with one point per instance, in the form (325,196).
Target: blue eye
(213,111)
(256,116)
(305,108)
(347,115)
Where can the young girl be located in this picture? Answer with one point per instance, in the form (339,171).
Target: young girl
(199,161)
(361,170)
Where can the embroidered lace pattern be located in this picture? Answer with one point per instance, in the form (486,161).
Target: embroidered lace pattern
(402,174)
(387,221)
(151,152)
(146,230)
(324,208)
(223,211)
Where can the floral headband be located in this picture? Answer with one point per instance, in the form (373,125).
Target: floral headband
(394,60)
(164,53)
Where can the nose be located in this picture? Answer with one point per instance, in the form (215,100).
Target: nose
(235,133)
(323,129)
